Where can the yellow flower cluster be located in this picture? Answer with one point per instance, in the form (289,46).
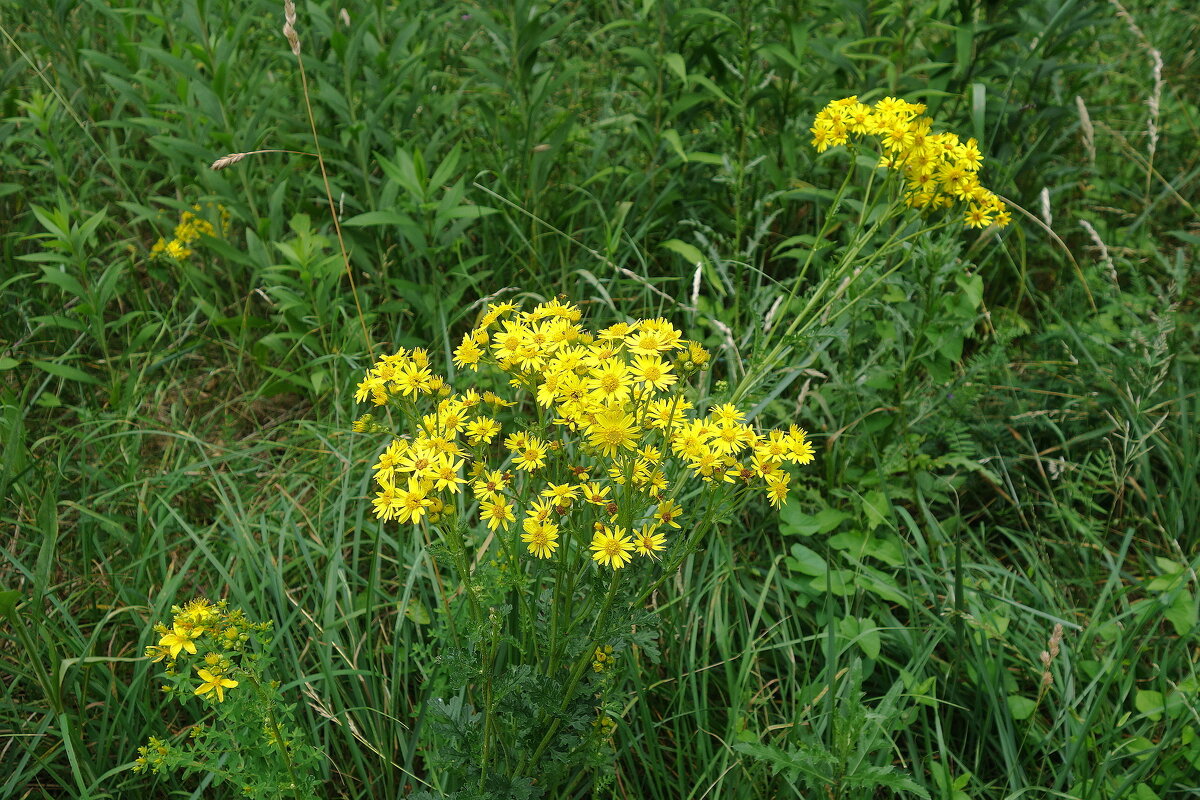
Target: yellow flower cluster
(213,626)
(603,658)
(938,168)
(189,230)
(602,413)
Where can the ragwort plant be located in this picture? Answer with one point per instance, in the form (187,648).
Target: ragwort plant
(562,476)
(215,655)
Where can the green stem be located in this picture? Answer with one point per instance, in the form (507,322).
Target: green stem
(576,674)
(268,699)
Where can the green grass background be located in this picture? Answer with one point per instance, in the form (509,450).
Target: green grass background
(1006,426)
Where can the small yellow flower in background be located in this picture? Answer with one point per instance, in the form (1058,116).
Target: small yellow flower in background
(191,229)
(777,488)
(668,511)
(214,683)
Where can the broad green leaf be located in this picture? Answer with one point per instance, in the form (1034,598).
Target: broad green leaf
(1182,613)
(1021,707)
(876,507)
(796,522)
(8,601)
(1150,703)
(863,632)
(807,561)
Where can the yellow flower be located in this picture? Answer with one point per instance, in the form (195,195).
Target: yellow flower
(531,455)
(542,539)
(668,512)
(560,493)
(777,488)
(412,379)
(489,485)
(181,639)
(648,542)
(468,353)
(610,383)
(611,547)
(652,371)
(177,250)
(218,683)
(412,503)
(801,449)
(445,470)
(977,217)
(496,513)
(482,430)
(387,501)
(612,430)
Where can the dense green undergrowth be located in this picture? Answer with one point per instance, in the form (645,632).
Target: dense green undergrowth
(1006,423)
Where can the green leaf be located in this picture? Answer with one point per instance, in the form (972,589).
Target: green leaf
(64,371)
(807,561)
(690,252)
(796,523)
(1143,792)
(8,602)
(876,507)
(864,633)
(1150,703)
(8,363)
(676,64)
(1021,707)
(417,612)
(1182,613)
(373,218)
(837,581)
(672,137)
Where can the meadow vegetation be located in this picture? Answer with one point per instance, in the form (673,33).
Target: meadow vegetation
(982,586)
